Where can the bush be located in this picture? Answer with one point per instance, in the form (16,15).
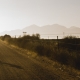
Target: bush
(6,38)
(70,42)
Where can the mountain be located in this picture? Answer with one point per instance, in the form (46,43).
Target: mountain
(31,29)
(45,31)
(73,30)
(12,32)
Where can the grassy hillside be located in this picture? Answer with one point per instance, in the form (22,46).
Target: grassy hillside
(65,51)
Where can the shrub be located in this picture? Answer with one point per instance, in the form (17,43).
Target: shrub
(70,42)
(6,38)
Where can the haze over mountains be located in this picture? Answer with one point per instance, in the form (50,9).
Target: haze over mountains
(45,31)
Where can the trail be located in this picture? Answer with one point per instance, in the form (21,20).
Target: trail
(14,66)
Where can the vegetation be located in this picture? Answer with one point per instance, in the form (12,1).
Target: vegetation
(67,52)
(71,43)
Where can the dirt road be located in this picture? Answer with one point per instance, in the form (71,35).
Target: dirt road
(14,66)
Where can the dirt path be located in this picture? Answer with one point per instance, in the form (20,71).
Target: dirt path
(14,66)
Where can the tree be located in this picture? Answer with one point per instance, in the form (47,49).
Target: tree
(6,37)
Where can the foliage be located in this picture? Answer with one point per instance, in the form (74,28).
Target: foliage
(70,42)
(6,37)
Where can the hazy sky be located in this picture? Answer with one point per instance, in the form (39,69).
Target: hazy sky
(17,14)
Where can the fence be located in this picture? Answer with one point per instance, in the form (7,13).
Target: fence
(60,41)
(69,44)
(60,35)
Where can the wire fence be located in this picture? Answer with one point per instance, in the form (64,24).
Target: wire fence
(53,36)
(74,45)
(69,44)
(60,35)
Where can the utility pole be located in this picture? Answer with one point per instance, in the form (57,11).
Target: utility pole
(58,42)
(15,36)
(63,34)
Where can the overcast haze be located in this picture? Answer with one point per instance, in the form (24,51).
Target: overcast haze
(17,14)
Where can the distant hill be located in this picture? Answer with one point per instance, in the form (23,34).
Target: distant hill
(45,31)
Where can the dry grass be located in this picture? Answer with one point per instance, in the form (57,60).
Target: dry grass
(64,71)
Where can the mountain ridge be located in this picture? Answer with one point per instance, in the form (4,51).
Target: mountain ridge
(47,29)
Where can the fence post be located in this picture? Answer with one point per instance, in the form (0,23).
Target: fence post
(15,36)
(58,42)
(48,37)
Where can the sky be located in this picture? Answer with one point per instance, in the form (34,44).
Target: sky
(18,14)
